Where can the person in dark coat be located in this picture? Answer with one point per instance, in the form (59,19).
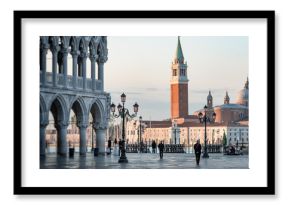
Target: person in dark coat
(161,148)
(109,145)
(154,146)
(197,151)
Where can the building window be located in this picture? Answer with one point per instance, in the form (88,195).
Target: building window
(174,72)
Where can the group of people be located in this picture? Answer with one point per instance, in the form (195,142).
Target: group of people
(197,148)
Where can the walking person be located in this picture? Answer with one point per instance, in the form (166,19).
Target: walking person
(161,148)
(109,145)
(197,151)
(154,146)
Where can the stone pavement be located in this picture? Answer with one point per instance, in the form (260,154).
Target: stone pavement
(144,161)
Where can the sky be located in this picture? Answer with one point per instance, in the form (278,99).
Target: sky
(141,68)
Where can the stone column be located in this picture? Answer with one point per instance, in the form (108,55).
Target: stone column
(75,66)
(93,70)
(101,139)
(54,66)
(43,53)
(42,139)
(84,67)
(64,62)
(100,129)
(83,139)
(62,143)
(101,73)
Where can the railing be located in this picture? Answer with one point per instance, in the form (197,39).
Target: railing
(79,82)
(70,82)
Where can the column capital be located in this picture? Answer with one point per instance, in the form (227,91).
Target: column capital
(61,125)
(43,124)
(54,49)
(64,51)
(82,125)
(44,48)
(102,59)
(100,125)
(93,57)
(75,54)
(83,55)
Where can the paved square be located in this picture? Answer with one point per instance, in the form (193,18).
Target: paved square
(145,161)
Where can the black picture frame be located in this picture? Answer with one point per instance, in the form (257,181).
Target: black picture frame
(19,189)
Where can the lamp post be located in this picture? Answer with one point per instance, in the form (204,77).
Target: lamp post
(140,133)
(123,112)
(204,119)
(175,132)
(175,135)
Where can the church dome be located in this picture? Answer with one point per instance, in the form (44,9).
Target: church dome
(243,95)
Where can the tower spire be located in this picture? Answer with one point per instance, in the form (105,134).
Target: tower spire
(179,54)
(209,100)
(179,85)
(247,83)
(227,98)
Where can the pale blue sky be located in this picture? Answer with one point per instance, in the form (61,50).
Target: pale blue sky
(141,67)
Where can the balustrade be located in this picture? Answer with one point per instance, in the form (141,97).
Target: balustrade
(70,82)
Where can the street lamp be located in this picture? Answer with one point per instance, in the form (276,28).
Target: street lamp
(140,132)
(204,119)
(178,131)
(123,112)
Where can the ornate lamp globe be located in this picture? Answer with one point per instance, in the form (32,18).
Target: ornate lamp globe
(113,107)
(200,115)
(119,107)
(123,98)
(135,106)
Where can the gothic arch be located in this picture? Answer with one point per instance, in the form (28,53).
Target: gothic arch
(102,50)
(83,47)
(92,47)
(97,110)
(73,43)
(79,107)
(43,112)
(53,42)
(43,41)
(64,41)
(59,109)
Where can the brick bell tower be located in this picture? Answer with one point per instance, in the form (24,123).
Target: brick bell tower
(179,85)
